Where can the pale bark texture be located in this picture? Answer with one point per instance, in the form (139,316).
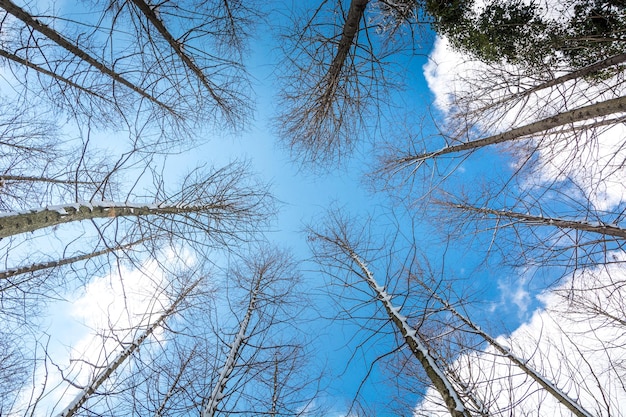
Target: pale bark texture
(534,220)
(14,224)
(231,360)
(592,111)
(571,404)
(433,371)
(82,398)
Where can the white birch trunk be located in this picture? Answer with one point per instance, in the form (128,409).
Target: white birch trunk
(593,111)
(560,396)
(82,397)
(600,228)
(439,379)
(231,361)
(21,222)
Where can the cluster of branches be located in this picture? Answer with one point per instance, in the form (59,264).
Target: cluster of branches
(445,361)
(553,122)
(171,62)
(73,213)
(546,98)
(198,354)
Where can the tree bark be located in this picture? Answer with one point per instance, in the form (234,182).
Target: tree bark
(350,29)
(231,360)
(100,379)
(601,109)
(57,38)
(601,228)
(442,384)
(559,395)
(16,223)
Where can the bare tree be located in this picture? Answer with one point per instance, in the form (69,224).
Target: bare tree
(488,375)
(560,396)
(95,384)
(67,56)
(270,280)
(336,80)
(211,211)
(586,113)
(334,243)
(235,349)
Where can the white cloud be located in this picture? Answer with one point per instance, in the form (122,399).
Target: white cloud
(111,311)
(592,159)
(577,342)
(513,291)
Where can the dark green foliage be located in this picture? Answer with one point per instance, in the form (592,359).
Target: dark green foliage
(597,30)
(448,13)
(517,32)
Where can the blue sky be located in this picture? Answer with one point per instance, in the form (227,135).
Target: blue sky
(305,196)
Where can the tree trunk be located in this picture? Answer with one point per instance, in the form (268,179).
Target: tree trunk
(577,74)
(598,227)
(559,395)
(100,379)
(16,223)
(441,382)
(231,360)
(177,46)
(9,273)
(26,63)
(350,29)
(604,108)
(57,38)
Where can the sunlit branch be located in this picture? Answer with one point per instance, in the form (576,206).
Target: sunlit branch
(77,403)
(56,37)
(592,111)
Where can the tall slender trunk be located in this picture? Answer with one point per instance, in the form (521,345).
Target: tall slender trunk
(559,395)
(604,108)
(350,30)
(231,361)
(170,391)
(577,74)
(439,379)
(597,227)
(77,403)
(26,178)
(9,273)
(41,70)
(16,223)
(274,409)
(177,46)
